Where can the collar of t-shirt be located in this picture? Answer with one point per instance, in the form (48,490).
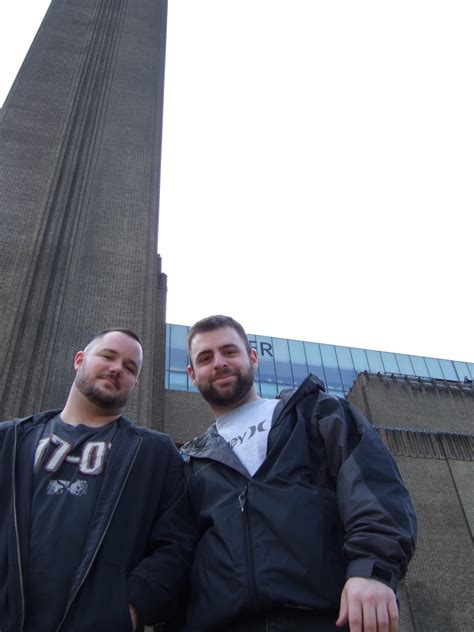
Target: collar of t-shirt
(245,430)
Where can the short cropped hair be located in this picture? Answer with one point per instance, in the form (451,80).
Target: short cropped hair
(122,330)
(217,321)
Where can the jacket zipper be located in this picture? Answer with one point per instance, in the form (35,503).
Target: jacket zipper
(71,601)
(17,534)
(248,544)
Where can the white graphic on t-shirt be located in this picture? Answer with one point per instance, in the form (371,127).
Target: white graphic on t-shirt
(76,488)
(40,450)
(91,459)
(56,459)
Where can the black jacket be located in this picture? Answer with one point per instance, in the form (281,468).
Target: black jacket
(327,503)
(140,539)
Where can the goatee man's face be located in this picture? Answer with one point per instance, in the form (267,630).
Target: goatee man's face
(107,371)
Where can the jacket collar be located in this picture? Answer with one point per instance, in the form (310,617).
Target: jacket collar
(309,386)
(40,418)
(211,445)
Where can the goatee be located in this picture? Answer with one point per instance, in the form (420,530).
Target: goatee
(243,383)
(107,401)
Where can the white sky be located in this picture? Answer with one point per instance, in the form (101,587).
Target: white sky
(317,168)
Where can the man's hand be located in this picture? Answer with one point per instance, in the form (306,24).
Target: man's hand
(133,616)
(368,605)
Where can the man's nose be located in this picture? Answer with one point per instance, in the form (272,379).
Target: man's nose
(115,366)
(219,360)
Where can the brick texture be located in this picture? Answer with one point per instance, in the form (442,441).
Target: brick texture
(186,415)
(441,576)
(434,446)
(417,404)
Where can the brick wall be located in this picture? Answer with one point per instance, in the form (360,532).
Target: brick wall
(417,404)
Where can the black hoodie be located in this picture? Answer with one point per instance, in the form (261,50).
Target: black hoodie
(140,540)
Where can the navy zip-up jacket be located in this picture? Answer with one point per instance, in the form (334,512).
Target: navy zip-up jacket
(327,503)
(140,540)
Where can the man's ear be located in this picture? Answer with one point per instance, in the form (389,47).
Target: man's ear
(254,357)
(78,359)
(191,374)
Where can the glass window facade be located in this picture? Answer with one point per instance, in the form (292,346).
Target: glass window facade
(284,373)
(375,361)
(404,363)
(285,363)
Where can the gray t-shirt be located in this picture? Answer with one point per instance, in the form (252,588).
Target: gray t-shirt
(246,431)
(68,472)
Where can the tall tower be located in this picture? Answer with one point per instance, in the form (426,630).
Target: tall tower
(80,144)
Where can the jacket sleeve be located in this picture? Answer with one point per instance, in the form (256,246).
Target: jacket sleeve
(157,587)
(374,505)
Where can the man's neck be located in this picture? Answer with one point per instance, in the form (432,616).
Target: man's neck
(80,411)
(218,411)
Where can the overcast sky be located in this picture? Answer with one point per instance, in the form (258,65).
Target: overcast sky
(317,167)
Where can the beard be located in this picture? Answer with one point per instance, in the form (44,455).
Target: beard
(230,396)
(108,401)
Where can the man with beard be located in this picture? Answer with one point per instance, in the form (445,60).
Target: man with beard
(304,522)
(95,528)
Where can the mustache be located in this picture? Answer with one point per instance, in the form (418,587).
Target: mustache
(110,376)
(224,372)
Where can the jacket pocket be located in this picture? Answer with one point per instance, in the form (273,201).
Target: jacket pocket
(306,567)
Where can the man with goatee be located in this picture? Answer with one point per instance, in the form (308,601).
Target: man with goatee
(95,531)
